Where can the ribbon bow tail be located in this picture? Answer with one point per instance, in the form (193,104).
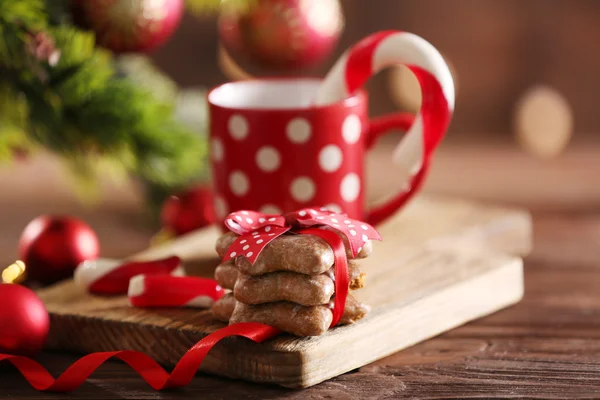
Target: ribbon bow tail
(356,232)
(255,230)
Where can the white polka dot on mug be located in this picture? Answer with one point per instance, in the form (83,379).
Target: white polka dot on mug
(268,158)
(239,183)
(217,149)
(303,189)
(298,130)
(330,158)
(238,127)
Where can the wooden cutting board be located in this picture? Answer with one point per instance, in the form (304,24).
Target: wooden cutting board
(442,263)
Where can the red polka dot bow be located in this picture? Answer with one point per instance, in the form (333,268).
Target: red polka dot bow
(257,230)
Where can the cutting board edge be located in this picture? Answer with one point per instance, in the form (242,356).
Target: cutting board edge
(513,282)
(492,229)
(297,362)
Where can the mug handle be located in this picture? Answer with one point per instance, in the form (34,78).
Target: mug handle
(378,127)
(375,53)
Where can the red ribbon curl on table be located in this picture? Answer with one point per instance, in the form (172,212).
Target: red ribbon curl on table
(256,230)
(159,379)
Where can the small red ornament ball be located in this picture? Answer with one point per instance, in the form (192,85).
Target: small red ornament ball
(24,321)
(124,26)
(188,211)
(53,246)
(283,34)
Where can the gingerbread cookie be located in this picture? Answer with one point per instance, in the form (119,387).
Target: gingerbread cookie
(305,254)
(227,274)
(223,308)
(296,319)
(305,290)
(355,275)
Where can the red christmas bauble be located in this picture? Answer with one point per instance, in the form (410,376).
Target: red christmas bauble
(24,321)
(283,34)
(52,247)
(188,211)
(129,25)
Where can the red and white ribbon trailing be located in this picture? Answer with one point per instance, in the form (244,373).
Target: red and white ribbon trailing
(388,48)
(173,291)
(110,277)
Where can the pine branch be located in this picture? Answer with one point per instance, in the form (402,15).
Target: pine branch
(143,73)
(30,13)
(65,94)
(76,46)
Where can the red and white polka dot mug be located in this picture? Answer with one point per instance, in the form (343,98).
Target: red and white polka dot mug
(273,151)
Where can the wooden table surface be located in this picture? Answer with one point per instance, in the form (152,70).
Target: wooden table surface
(548,346)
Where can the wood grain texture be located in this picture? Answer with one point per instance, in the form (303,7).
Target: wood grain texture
(438,267)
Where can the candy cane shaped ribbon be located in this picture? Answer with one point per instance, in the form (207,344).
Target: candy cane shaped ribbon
(173,291)
(384,49)
(111,277)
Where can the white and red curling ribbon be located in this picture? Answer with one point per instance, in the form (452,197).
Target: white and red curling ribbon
(173,291)
(387,48)
(111,277)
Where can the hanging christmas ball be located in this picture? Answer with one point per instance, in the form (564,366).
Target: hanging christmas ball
(129,25)
(24,321)
(283,34)
(188,211)
(51,247)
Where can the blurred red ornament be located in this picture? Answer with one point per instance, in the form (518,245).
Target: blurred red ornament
(24,321)
(188,211)
(129,25)
(20,153)
(283,34)
(52,247)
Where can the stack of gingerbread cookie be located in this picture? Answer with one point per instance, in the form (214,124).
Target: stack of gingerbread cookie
(290,286)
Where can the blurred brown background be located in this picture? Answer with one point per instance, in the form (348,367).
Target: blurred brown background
(498,49)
